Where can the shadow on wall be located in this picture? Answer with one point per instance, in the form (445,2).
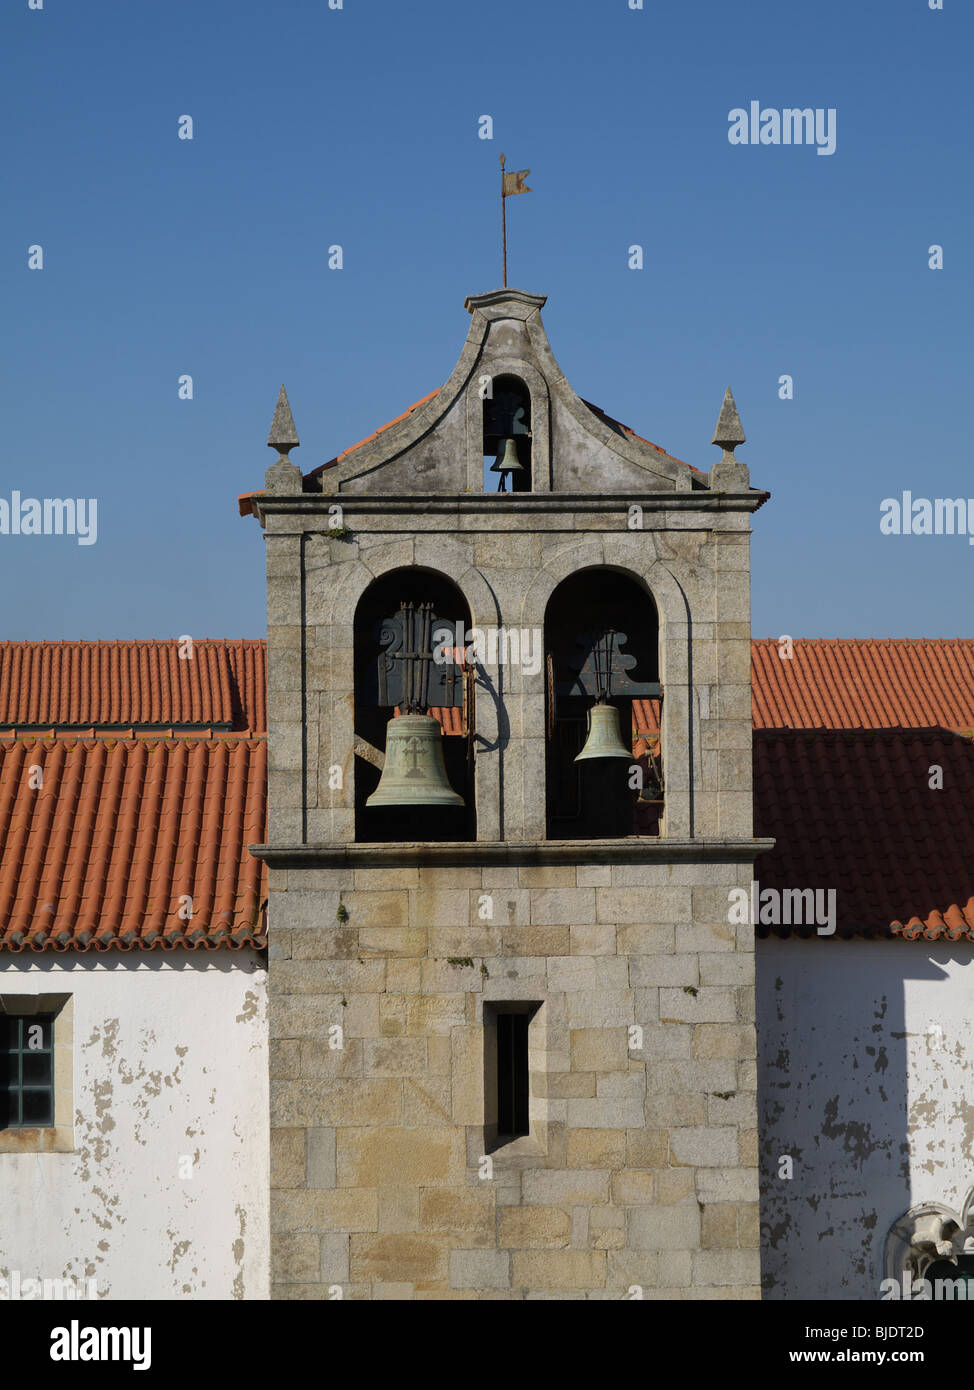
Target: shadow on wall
(836,1098)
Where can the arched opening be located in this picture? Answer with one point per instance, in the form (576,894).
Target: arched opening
(603,771)
(407,662)
(507,435)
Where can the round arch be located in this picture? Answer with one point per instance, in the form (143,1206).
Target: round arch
(383,632)
(658,581)
(433,555)
(598,783)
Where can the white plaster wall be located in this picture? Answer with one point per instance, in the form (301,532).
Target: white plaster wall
(866,1078)
(170,1059)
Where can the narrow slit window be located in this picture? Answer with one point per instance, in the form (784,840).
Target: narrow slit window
(512,1075)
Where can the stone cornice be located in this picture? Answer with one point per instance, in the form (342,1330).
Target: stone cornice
(478,852)
(501,504)
(512,303)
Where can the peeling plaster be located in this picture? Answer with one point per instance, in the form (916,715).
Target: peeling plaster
(238,1253)
(249,1009)
(157,1064)
(851,1070)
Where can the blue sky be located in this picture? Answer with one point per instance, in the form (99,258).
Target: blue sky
(359,126)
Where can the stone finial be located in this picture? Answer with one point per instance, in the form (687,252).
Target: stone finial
(283,436)
(728,473)
(729,432)
(283,475)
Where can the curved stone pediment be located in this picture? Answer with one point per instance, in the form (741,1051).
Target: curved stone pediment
(437,447)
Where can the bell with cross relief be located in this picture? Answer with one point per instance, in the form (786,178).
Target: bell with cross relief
(414,773)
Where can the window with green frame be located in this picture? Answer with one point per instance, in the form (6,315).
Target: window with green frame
(26,1071)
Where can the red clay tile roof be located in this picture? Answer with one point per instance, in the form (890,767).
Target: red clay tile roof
(451,719)
(854,811)
(845,731)
(248,683)
(646,718)
(854,683)
(113,843)
(120,685)
(104,837)
(864,683)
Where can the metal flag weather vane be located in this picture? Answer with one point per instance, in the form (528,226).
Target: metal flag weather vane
(510,184)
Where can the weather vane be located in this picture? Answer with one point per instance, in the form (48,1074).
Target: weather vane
(510,184)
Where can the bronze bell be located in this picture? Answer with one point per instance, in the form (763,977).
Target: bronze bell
(414,773)
(507,460)
(604,739)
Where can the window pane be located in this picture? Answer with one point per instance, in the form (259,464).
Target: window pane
(512,1074)
(8,1108)
(26,1071)
(37,1108)
(37,1068)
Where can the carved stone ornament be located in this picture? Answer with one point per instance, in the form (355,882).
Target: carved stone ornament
(925,1235)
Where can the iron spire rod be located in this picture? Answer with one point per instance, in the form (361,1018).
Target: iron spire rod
(503,223)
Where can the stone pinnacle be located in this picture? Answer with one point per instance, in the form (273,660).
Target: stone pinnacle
(729,432)
(283,436)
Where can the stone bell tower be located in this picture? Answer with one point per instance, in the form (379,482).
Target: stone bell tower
(512,1038)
